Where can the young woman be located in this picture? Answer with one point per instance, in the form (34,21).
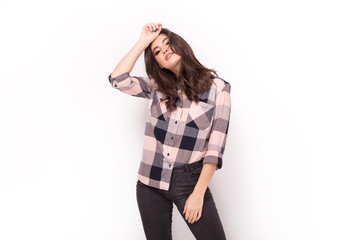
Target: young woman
(185,133)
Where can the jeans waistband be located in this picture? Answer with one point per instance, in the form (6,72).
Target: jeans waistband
(188,167)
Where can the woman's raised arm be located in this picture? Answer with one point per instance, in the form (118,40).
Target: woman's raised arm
(149,32)
(121,79)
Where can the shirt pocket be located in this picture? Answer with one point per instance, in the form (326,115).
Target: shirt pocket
(200,115)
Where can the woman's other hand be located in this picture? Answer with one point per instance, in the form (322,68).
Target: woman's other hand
(150,31)
(193,207)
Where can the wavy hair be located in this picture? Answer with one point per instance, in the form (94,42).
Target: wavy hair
(193,77)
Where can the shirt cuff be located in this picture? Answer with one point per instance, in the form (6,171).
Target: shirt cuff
(119,78)
(213,159)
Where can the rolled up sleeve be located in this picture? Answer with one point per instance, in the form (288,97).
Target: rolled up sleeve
(219,129)
(134,86)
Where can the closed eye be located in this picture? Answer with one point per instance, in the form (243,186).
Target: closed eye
(157,52)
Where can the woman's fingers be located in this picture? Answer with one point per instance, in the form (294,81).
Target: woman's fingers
(149,27)
(150,31)
(187,215)
(185,208)
(198,217)
(158,25)
(153,27)
(192,215)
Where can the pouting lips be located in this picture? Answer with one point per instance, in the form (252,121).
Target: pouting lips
(168,56)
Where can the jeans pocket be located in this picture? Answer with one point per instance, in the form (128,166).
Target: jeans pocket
(196,170)
(186,180)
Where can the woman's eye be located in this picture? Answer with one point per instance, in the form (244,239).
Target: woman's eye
(156,53)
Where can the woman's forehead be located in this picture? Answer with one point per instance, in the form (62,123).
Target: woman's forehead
(157,41)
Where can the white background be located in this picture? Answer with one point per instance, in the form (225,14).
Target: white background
(71,144)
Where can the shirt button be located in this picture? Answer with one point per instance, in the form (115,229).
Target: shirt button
(175,122)
(168,154)
(180,106)
(169,165)
(172,137)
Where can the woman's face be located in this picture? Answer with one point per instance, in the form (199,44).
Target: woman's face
(163,54)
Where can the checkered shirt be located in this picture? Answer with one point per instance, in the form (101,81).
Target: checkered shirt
(191,133)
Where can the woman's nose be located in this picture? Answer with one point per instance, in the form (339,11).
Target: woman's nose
(165,50)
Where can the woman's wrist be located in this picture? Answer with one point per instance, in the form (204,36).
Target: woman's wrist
(204,178)
(142,43)
(199,190)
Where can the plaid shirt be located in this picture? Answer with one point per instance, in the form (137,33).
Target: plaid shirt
(191,133)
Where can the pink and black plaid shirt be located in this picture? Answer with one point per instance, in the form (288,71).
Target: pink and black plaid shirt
(191,133)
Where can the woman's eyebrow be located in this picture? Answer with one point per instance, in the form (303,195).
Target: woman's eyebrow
(161,42)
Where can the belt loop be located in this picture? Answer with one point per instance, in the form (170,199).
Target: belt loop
(187,168)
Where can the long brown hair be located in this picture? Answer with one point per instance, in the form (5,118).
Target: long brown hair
(193,78)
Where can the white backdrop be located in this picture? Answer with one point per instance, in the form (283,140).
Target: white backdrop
(71,144)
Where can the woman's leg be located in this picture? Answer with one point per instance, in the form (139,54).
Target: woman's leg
(155,211)
(209,226)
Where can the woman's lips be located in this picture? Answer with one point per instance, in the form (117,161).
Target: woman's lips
(168,56)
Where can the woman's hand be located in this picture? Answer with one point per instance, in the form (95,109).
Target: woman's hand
(149,32)
(194,204)
(193,207)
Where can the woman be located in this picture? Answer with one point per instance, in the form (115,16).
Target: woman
(185,133)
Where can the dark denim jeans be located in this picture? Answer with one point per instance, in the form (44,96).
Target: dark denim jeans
(156,205)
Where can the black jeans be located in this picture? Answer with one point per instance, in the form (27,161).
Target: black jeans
(156,205)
